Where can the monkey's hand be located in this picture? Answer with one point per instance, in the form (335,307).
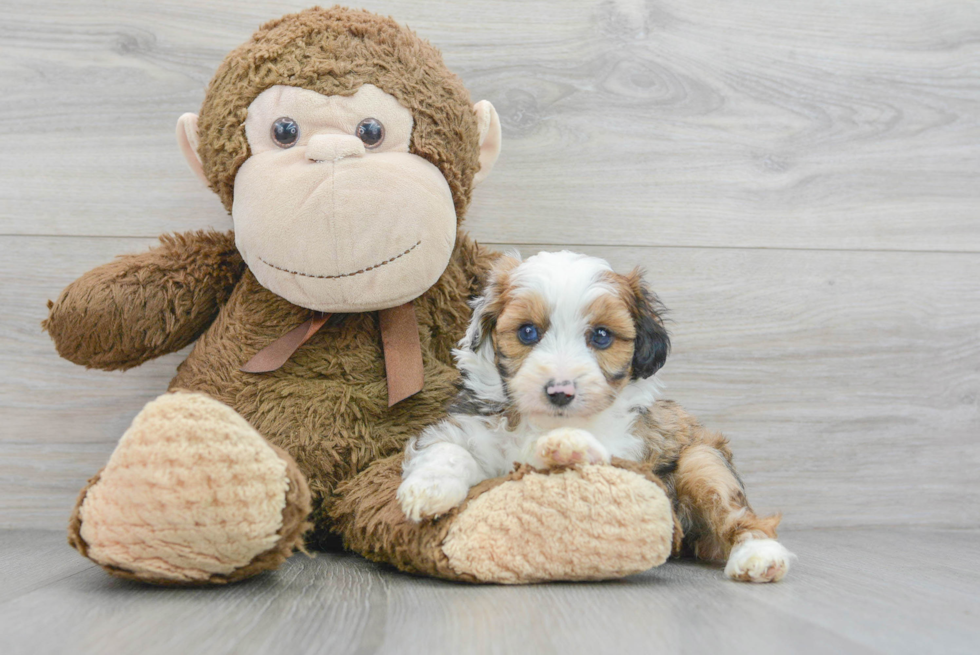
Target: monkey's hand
(138,307)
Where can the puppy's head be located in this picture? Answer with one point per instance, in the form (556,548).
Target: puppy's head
(561,334)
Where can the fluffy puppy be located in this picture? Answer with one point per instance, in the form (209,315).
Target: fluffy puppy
(556,370)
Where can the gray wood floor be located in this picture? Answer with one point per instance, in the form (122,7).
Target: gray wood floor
(857,590)
(801,181)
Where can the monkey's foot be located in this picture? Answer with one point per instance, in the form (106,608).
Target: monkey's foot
(588,523)
(191,495)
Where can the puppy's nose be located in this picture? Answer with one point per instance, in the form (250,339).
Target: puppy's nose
(560,393)
(333,147)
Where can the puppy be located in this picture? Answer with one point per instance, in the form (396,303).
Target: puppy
(557,369)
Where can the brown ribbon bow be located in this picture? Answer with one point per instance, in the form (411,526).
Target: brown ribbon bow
(399,338)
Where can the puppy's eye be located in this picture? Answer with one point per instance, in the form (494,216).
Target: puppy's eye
(601,338)
(528,334)
(371,132)
(285,132)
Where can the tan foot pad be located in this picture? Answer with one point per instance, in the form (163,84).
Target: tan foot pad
(590,523)
(192,491)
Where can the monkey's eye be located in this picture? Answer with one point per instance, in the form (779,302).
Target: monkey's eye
(371,132)
(528,334)
(285,132)
(601,338)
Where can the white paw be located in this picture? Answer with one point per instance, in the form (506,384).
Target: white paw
(758,560)
(430,494)
(569,446)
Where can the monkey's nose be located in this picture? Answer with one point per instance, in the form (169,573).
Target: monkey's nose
(333,147)
(560,393)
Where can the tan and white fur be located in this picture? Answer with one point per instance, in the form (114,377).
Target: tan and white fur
(557,369)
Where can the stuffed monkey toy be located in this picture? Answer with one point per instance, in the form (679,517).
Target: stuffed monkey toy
(346,153)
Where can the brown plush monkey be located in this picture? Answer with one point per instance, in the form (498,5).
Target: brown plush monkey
(346,153)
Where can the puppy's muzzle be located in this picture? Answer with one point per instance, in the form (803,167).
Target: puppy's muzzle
(560,393)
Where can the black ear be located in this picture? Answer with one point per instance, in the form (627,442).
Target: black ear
(652,342)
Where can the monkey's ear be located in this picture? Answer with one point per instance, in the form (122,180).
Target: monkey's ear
(486,117)
(652,342)
(188,141)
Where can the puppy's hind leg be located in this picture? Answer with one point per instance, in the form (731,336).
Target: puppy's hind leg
(718,520)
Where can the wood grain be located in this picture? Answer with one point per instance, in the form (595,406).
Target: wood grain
(794,125)
(865,590)
(847,381)
(801,181)
(30,559)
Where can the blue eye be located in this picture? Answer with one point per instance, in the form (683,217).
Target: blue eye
(528,334)
(601,338)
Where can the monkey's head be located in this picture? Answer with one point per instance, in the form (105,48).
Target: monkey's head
(346,152)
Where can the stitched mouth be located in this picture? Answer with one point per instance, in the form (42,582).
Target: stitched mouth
(341,275)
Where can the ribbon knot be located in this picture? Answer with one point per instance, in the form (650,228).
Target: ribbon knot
(399,340)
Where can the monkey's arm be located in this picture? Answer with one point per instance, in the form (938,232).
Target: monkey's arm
(138,307)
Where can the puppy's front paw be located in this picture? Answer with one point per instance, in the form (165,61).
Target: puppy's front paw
(427,494)
(758,560)
(569,446)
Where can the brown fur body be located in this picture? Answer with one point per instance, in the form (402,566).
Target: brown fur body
(326,407)
(334,51)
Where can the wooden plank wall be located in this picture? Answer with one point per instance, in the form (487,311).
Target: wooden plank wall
(800,179)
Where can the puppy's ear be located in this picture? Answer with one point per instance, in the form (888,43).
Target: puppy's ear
(488,307)
(652,342)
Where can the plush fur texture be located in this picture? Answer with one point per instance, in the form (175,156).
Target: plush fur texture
(333,52)
(327,406)
(325,412)
(526,526)
(582,523)
(118,316)
(294,526)
(192,492)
